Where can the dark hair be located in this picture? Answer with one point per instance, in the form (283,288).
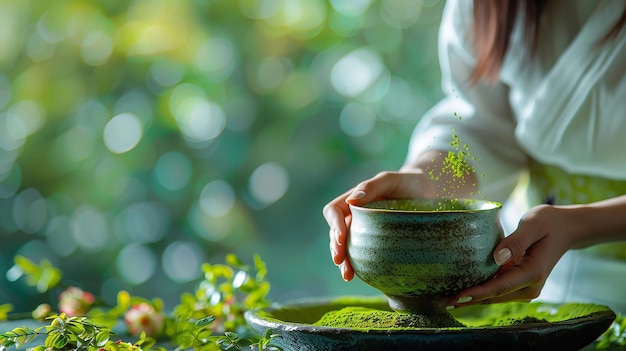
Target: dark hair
(493,24)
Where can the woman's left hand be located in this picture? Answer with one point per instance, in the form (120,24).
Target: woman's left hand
(527,256)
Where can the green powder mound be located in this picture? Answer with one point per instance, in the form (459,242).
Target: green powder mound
(369,319)
(512,313)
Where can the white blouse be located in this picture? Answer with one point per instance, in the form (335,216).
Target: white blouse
(565,107)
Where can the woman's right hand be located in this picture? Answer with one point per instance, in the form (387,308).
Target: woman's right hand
(404,184)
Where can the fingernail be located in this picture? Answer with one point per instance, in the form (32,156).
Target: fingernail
(336,234)
(333,253)
(342,269)
(502,256)
(357,194)
(451,307)
(464,299)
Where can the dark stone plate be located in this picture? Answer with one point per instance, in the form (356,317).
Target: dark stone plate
(563,327)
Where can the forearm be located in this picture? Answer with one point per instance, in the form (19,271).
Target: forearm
(600,222)
(450,177)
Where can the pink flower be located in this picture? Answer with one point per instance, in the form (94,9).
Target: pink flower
(144,317)
(75,302)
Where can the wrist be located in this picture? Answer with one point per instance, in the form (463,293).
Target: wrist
(579,224)
(591,225)
(426,186)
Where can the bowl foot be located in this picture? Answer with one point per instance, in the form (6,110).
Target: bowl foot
(432,309)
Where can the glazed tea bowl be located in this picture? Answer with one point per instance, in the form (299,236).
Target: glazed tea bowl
(420,252)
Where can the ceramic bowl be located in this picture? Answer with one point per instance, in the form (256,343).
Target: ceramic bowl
(419,252)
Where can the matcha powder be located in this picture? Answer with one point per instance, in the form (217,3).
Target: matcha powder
(368,318)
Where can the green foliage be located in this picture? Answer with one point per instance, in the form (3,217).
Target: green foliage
(44,276)
(227,291)
(4,311)
(615,337)
(110,315)
(217,306)
(265,342)
(72,333)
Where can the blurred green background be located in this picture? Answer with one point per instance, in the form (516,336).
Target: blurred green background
(141,138)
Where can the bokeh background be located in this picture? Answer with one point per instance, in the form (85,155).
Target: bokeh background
(141,138)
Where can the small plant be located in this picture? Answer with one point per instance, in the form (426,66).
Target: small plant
(209,319)
(615,337)
(71,333)
(43,276)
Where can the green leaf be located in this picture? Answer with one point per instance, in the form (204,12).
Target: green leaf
(75,328)
(270,333)
(261,268)
(157,304)
(102,338)
(49,278)
(19,331)
(51,340)
(27,266)
(43,276)
(123,300)
(20,341)
(184,340)
(4,311)
(205,321)
(61,341)
(146,342)
(219,271)
(234,261)
(231,335)
(244,342)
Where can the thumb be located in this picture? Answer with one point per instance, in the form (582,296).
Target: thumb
(384,184)
(512,248)
(359,197)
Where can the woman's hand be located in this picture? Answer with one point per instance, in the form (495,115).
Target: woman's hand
(529,254)
(544,234)
(414,183)
(424,177)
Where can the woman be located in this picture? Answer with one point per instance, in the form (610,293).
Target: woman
(537,91)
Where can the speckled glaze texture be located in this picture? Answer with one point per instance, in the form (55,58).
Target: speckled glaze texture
(424,248)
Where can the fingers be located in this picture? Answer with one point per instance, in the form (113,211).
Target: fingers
(337,212)
(517,283)
(530,231)
(347,273)
(369,190)
(339,256)
(522,275)
(391,185)
(513,247)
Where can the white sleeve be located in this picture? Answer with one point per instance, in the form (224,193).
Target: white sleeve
(480,114)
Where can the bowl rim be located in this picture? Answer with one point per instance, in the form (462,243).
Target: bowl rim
(485,205)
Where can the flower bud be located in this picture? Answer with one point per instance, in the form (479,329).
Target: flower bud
(75,302)
(144,317)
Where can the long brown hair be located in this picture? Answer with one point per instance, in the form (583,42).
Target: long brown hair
(493,24)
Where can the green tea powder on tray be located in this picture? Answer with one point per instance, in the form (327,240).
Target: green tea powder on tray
(368,318)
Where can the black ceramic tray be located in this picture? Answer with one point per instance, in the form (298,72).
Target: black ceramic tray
(566,327)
